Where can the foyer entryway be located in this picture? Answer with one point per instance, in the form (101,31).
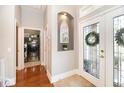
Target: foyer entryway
(73,81)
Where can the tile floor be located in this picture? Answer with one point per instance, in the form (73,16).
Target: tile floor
(73,81)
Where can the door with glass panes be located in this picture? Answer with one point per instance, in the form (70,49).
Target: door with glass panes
(102,49)
(118,65)
(115,47)
(92,51)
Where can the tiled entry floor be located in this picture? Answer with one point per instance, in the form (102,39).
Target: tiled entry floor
(73,81)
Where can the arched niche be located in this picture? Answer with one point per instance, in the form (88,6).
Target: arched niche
(65,31)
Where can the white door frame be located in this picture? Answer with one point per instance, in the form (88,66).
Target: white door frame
(45,47)
(21,46)
(19,31)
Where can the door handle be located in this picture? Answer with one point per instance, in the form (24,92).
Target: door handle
(102,51)
(101,56)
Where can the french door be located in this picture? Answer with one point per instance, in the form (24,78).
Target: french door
(115,48)
(92,51)
(101,49)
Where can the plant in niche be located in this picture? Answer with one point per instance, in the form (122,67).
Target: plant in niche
(65,47)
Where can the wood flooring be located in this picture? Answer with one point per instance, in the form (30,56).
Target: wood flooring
(36,76)
(32,77)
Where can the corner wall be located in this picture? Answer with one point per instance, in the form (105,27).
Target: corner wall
(63,61)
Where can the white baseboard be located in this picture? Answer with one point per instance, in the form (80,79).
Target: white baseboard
(49,75)
(63,75)
(8,82)
(11,82)
(19,68)
(42,63)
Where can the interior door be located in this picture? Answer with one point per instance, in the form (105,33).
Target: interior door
(92,51)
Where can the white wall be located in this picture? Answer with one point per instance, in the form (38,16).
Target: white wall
(64,61)
(31,17)
(18,14)
(7,40)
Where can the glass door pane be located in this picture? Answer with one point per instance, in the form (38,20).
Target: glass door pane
(91,49)
(118,68)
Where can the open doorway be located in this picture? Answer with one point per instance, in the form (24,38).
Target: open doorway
(31,47)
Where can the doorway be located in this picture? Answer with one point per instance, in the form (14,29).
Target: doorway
(32,49)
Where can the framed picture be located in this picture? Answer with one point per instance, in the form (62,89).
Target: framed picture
(64,32)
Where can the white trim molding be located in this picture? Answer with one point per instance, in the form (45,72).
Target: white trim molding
(21,44)
(49,76)
(10,81)
(87,9)
(63,75)
(98,11)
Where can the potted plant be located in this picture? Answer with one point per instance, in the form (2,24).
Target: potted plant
(65,47)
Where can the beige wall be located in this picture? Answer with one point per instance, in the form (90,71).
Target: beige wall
(61,62)
(7,40)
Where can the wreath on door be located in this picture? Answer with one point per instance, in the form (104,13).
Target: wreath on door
(119,37)
(92,39)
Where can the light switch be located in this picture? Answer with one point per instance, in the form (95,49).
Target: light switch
(9,50)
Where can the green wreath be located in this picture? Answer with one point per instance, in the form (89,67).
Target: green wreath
(92,39)
(119,37)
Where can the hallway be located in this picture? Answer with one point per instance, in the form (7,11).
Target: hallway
(32,77)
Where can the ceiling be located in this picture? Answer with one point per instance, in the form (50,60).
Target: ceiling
(35,6)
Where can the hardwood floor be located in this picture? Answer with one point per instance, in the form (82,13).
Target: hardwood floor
(32,77)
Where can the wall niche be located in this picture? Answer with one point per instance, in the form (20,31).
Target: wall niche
(65,31)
